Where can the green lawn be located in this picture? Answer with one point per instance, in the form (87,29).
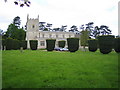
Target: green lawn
(42,69)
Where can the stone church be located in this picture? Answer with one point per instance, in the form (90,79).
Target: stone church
(33,33)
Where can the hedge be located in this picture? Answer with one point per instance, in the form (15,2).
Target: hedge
(3,44)
(23,44)
(73,44)
(15,44)
(61,44)
(33,44)
(117,45)
(106,43)
(9,43)
(92,45)
(50,44)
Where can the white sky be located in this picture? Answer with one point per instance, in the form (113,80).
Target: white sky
(63,12)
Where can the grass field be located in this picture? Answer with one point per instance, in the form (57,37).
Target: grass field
(42,69)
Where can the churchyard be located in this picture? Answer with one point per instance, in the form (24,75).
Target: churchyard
(43,69)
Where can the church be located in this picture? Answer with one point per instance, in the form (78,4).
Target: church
(33,33)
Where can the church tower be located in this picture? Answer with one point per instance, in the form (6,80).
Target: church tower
(32,26)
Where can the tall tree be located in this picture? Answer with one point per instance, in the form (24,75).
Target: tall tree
(84,37)
(89,27)
(63,28)
(17,21)
(42,25)
(96,31)
(15,33)
(48,26)
(74,29)
(104,30)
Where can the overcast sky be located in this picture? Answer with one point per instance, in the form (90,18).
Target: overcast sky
(63,12)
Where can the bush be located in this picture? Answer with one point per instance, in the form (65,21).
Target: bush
(23,44)
(92,45)
(61,44)
(33,44)
(50,44)
(105,43)
(9,43)
(73,44)
(117,45)
(15,44)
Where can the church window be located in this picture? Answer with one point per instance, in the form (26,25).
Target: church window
(42,43)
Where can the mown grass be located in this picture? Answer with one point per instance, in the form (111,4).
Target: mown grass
(42,69)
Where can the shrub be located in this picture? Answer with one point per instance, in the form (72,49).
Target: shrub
(105,43)
(23,44)
(33,44)
(117,45)
(61,44)
(9,43)
(73,44)
(50,44)
(15,44)
(92,45)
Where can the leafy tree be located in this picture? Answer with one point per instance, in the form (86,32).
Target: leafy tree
(84,37)
(15,33)
(11,31)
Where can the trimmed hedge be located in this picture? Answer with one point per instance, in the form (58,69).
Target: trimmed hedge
(61,44)
(73,44)
(9,43)
(15,44)
(106,43)
(33,44)
(50,44)
(117,45)
(92,45)
(23,44)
